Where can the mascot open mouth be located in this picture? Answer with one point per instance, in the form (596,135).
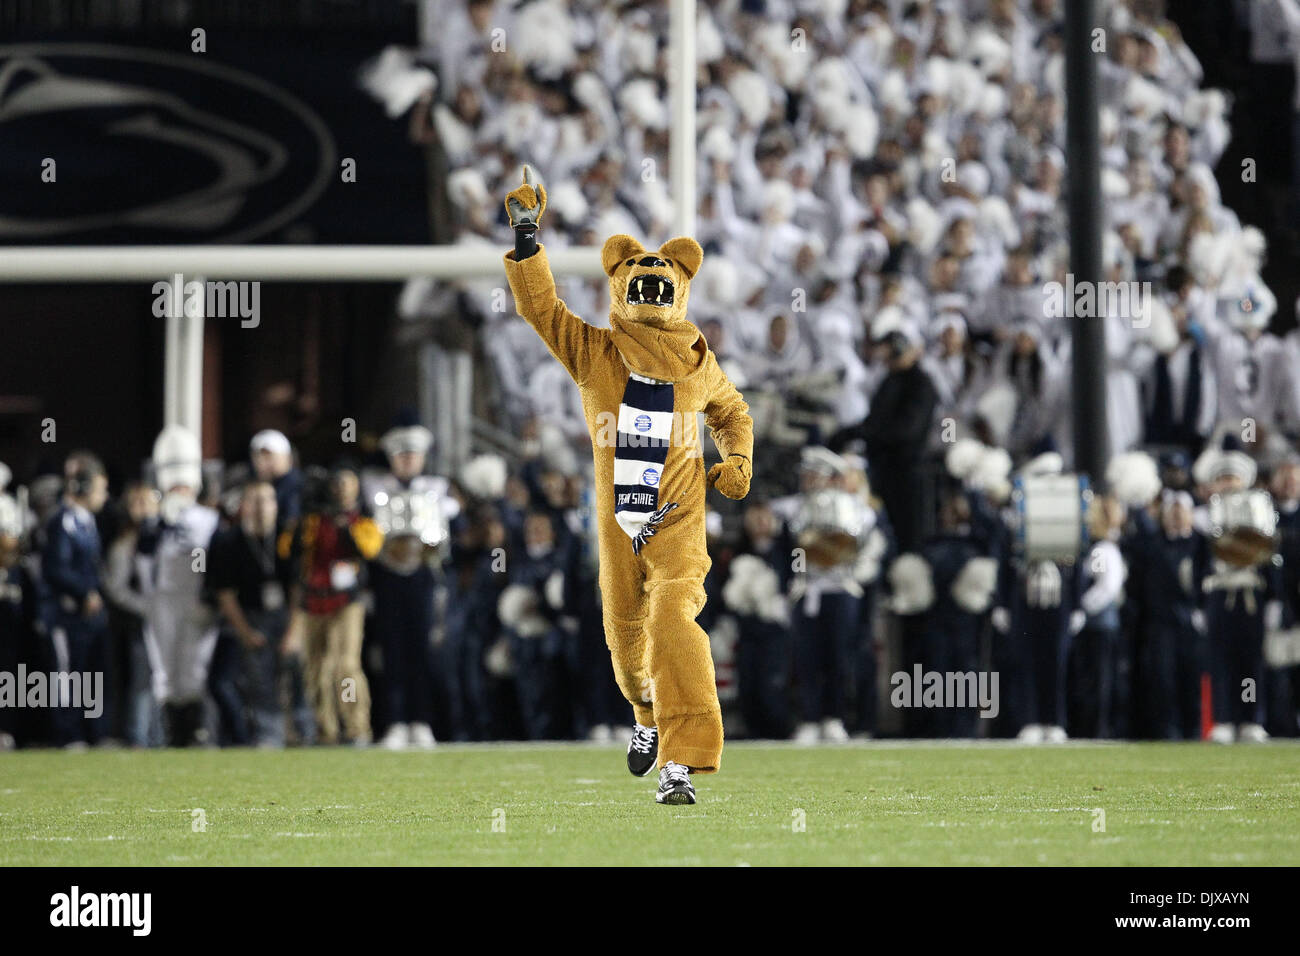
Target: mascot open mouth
(650,290)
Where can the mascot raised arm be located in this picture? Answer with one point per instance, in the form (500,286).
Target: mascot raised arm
(643,381)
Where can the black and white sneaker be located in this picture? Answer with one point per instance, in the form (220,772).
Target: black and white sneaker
(642,750)
(675,785)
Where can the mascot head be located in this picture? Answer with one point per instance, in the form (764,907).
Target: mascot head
(650,287)
(648,292)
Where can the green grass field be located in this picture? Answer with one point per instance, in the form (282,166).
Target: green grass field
(883,803)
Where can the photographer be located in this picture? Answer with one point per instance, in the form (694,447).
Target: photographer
(250,582)
(328,548)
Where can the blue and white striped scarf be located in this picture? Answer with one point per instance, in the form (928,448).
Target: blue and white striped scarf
(645,430)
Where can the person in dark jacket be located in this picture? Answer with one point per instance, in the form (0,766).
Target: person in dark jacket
(71,565)
(763,651)
(1284,696)
(1169,567)
(272,458)
(896,431)
(543,648)
(251,584)
(965,579)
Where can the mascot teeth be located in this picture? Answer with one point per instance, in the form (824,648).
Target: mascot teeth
(639,291)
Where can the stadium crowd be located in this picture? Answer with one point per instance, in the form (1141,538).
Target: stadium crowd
(886,279)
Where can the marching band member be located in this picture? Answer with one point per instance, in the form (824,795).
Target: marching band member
(20,608)
(404,582)
(1095,626)
(180,628)
(1285,485)
(951,586)
(1170,563)
(1034,623)
(754,592)
(1239,607)
(826,595)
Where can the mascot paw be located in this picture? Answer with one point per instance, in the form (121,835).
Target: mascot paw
(731,477)
(526,204)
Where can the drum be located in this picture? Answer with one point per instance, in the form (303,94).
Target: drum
(1050,517)
(829,527)
(1243,527)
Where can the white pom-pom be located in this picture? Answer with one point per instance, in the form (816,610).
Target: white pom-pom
(788,66)
(567,200)
(937,76)
(993,101)
(1048,463)
(975,583)
(1204,105)
(963,458)
(965,86)
(640,50)
(1252,245)
(997,406)
(466,188)
(484,476)
(11,516)
(893,92)
(925,226)
(591,92)
(778,199)
(995,216)
(988,52)
(395,80)
(1143,98)
(912,582)
(554,590)
(768,601)
(640,104)
(519,609)
(718,282)
(1114,184)
(614,220)
(862,131)
(738,592)
(990,474)
(543,37)
(497,661)
(1160,331)
(709,45)
(718,144)
(457,139)
(752,96)
(1134,478)
(867,567)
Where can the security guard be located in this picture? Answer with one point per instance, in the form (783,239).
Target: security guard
(71,564)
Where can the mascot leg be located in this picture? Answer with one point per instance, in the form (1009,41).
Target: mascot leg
(624,609)
(681,663)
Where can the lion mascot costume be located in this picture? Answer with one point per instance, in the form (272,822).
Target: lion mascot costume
(643,381)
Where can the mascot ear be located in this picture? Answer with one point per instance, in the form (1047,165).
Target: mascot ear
(686,251)
(616,249)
